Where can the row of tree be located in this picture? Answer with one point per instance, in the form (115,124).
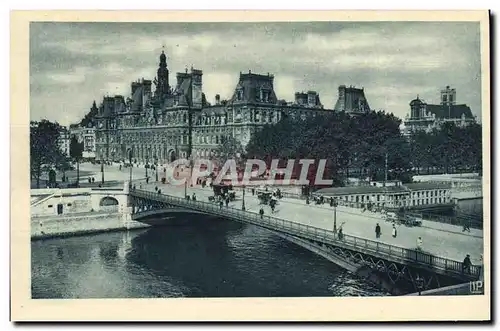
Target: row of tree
(449,149)
(370,146)
(356,146)
(46,154)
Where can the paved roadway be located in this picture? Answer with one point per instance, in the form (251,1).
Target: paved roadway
(444,240)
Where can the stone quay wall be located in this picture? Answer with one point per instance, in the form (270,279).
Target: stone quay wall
(71,225)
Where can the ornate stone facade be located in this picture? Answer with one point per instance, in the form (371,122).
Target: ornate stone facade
(426,117)
(178,122)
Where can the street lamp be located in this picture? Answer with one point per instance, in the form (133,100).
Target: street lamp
(130,165)
(156,167)
(243,202)
(102,170)
(191,174)
(146,166)
(335,203)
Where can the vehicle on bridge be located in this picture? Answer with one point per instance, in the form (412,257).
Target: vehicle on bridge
(404,218)
(223,191)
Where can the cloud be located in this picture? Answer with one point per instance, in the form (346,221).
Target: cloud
(72,64)
(73,76)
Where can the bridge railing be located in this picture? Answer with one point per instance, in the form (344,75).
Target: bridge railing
(390,252)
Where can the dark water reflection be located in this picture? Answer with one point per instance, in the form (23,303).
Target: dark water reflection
(199,258)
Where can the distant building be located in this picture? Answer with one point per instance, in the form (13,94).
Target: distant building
(352,100)
(392,194)
(64,139)
(86,135)
(424,116)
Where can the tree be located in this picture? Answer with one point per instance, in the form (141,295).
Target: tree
(347,143)
(63,164)
(448,148)
(44,147)
(230,148)
(76,151)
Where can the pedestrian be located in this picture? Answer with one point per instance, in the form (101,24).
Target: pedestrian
(253,191)
(377,230)
(90,180)
(120,167)
(159,191)
(394,231)
(147,180)
(467,264)
(221,204)
(133,187)
(466,226)
(419,243)
(93,180)
(156,188)
(340,233)
(331,202)
(194,196)
(227,202)
(261,212)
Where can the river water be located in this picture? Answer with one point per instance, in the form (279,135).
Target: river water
(204,257)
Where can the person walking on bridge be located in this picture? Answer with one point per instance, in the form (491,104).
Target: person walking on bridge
(340,233)
(419,244)
(394,231)
(377,231)
(466,226)
(467,264)
(261,212)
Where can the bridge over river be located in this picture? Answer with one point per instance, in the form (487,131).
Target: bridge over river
(397,269)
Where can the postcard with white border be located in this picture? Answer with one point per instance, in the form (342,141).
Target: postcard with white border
(250,166)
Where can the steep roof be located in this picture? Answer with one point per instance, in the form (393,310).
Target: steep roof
(183,91)
(353,99)
(251,84)
(137,99)
(453,111)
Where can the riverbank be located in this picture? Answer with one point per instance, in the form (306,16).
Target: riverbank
(55,226)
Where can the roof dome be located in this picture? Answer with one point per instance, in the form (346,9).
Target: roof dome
(416,101)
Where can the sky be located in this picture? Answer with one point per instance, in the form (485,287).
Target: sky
(73,64)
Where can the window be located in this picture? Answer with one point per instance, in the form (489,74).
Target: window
(69,204)
(50,206)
